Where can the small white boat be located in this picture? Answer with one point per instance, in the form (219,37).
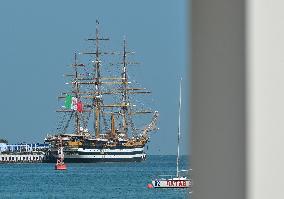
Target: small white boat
(179,180)
(169,181)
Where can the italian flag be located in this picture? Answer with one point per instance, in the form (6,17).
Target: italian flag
(73,103)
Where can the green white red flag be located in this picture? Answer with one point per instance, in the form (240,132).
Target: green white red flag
(73,103)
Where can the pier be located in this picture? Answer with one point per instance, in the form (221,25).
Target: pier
(21,158)
(23,147)
(22,153)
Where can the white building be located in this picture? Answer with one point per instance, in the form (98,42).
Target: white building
(3,147)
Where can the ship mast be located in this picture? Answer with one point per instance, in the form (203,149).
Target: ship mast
(178,138)
(126,105)
(124,92)
(97,85)
(76,91)
(97,100)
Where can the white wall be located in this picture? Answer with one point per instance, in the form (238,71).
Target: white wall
(237,99)
(265,98)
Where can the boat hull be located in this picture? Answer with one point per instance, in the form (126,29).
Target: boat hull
(98,155)
(95,160)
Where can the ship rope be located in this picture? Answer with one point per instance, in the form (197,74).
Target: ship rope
(60,123)
(82,120)
(130,121)
(134,130)
(85,119)
(68,122)
(104,120)
(153,124)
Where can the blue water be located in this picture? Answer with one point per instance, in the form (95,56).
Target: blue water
(96,180)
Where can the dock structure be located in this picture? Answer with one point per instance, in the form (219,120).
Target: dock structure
(22,153)
(21,158)
(24,147)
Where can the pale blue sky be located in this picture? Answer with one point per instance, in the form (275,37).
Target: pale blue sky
(37,42)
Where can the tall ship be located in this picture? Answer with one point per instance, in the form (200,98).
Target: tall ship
(101,118)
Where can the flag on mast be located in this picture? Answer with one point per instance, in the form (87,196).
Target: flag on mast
(68,101)
(73,103)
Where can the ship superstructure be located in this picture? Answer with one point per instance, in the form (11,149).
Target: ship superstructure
(103,102)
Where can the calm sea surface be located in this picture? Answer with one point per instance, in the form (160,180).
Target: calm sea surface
(101,180)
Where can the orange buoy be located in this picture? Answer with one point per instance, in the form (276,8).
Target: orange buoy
(60,165)
(150,186)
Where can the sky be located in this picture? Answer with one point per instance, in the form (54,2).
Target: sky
(38,40)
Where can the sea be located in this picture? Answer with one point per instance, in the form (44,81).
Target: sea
(90,180)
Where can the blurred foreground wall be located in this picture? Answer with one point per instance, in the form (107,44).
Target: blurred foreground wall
(237,108)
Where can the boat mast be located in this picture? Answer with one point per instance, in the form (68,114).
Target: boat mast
(76,91)
(126,105)
(97,85)
(178,138)
(124,93)
(97,100)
